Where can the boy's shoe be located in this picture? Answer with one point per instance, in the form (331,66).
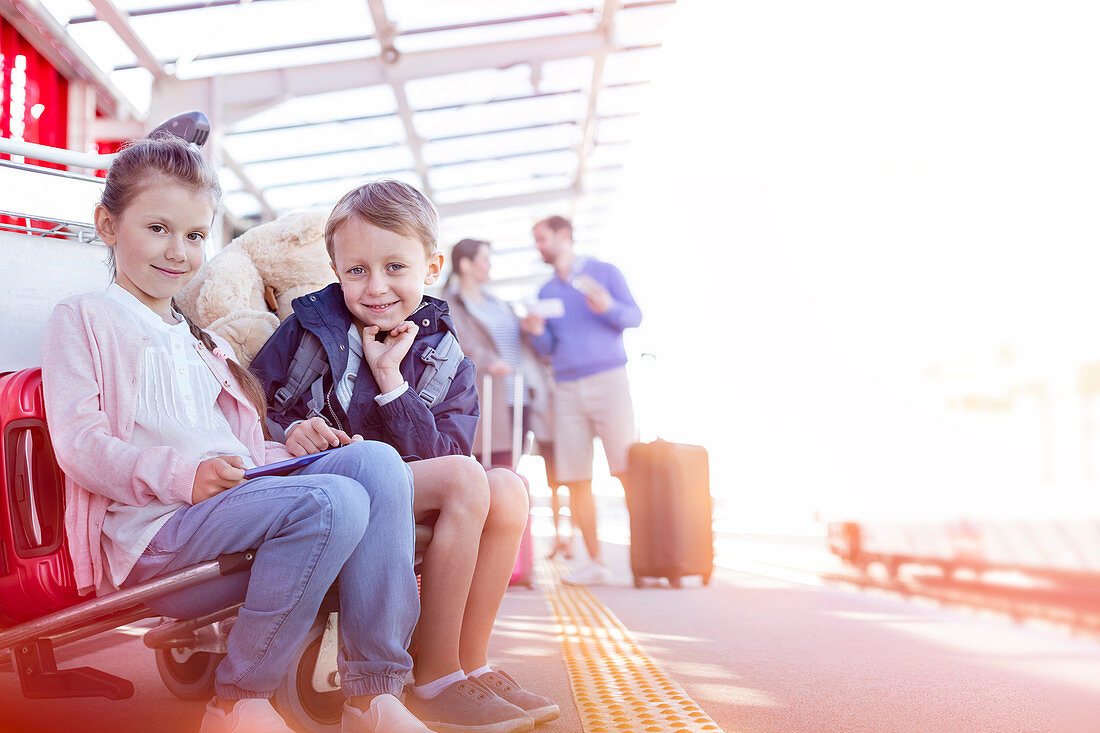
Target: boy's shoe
(542,709)
(250,715)
(386,715)
(591,574)
(468,706)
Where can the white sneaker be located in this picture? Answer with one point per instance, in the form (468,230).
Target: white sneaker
(591,574)
(250,715)
(386,715)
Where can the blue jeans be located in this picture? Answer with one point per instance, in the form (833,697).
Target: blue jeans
(346,517)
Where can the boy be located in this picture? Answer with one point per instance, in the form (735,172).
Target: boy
(374,325)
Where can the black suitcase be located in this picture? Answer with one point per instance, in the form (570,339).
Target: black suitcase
(668,498)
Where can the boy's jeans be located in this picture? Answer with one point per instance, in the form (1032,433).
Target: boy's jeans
(348,516)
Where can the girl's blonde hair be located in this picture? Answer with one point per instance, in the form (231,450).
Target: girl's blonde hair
(138,165)
(391,205)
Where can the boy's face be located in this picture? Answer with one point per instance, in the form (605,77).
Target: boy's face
(382,273)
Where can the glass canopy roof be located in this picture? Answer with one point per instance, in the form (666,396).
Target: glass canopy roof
(500,111)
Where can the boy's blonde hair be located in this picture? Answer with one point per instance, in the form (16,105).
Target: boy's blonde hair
(391,205)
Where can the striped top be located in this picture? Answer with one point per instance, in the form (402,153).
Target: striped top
(503,328)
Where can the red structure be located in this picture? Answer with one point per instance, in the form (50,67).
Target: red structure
(34,97)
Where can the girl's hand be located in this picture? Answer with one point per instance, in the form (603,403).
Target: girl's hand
(499,369)
(384,357)
(215,475)
(315,435)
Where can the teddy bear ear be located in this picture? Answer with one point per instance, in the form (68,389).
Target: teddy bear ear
(246,331)
(313,225)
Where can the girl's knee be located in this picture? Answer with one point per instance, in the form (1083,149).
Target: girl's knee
(345,502)
(509,504)
(372,454)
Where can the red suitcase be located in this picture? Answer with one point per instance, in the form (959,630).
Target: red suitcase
(36,573)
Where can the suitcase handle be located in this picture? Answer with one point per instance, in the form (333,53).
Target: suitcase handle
(25,490)
(487,419)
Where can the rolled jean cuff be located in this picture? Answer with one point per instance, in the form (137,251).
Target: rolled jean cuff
(232,692)
(376,684)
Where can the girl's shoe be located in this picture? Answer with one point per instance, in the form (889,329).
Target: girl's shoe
(250,715)
(386,715)
(542,709)
(467,706)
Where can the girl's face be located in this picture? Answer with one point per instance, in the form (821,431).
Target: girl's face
(158,240)
(477,267)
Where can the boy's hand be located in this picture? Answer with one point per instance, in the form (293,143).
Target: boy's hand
(384,357)
(315,435)
(534,324)
(215,475)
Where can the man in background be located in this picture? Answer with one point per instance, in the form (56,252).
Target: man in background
(579,324)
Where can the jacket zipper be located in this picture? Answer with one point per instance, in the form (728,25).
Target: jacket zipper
(332,411)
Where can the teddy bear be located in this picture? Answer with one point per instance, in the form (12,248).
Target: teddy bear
(245,291)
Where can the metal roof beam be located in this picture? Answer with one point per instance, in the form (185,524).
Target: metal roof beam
(386,32)
(247,93)
(120,24)
(588,134)
(137,12)
(267,210)
(440,108)
(360,38)
(441,138)
(180,7)
(477,206)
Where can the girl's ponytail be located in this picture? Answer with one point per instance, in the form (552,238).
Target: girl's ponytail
(247,381)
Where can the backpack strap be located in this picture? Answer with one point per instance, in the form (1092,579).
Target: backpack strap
(307,368)
(443,362)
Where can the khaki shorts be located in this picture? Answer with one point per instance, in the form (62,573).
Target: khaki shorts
(587,408)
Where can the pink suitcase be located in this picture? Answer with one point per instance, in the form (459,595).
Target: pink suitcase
(524,571)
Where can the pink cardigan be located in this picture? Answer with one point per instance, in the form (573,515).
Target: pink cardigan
(91,359)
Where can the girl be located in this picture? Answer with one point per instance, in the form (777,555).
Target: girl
(154,427)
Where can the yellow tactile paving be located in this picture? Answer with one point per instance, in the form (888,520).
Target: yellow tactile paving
(615,685)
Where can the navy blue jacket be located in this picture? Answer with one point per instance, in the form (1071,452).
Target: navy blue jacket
(405,423)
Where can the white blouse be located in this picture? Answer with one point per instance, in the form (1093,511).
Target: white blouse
(177,406)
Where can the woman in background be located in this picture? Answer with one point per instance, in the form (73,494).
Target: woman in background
(489,333)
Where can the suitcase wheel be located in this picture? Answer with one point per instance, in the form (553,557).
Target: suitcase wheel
(302,706)
(188,675)
(675,582)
